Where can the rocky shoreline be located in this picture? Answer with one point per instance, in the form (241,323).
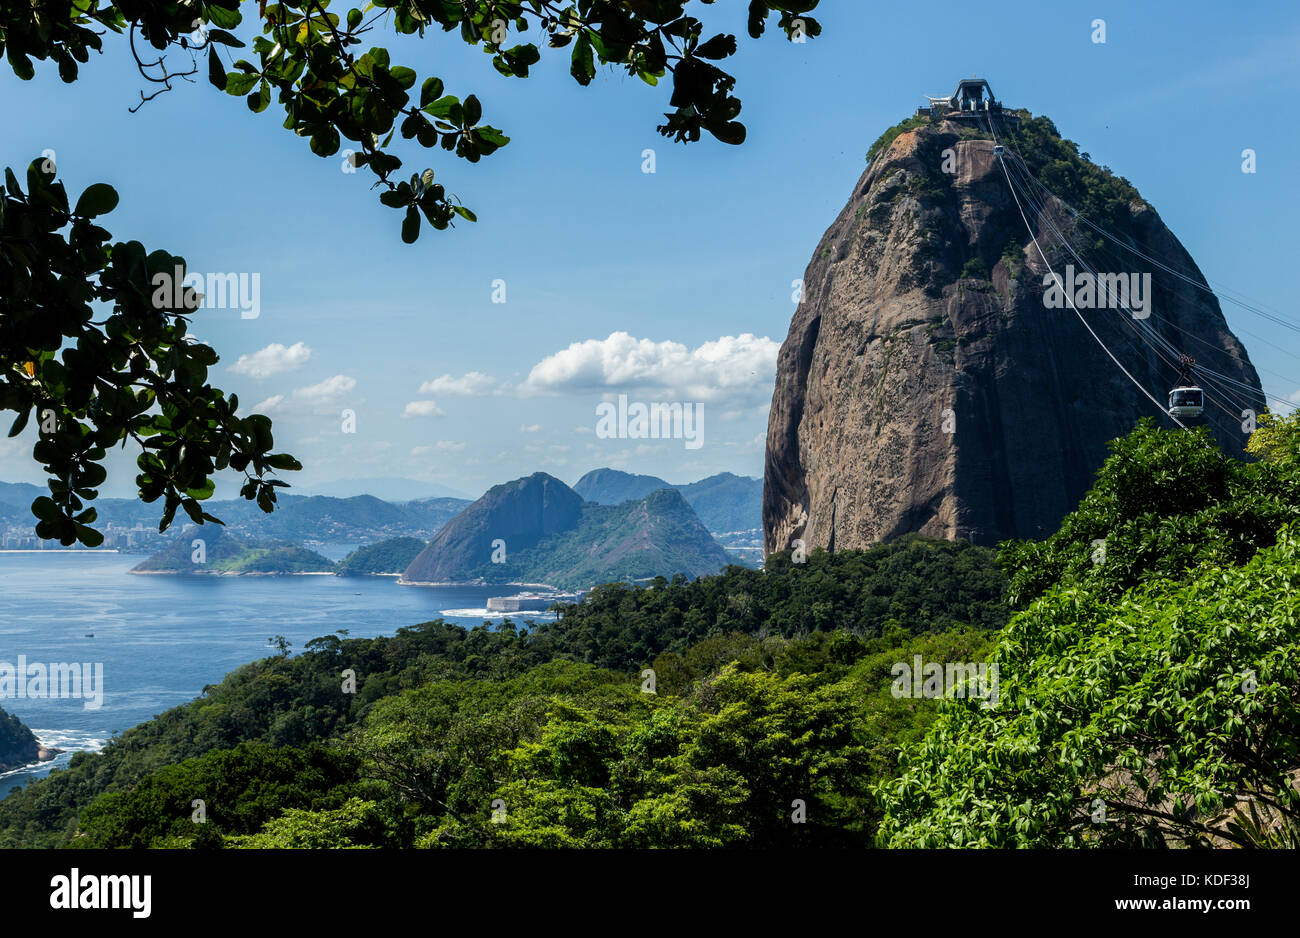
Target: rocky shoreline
(43,754)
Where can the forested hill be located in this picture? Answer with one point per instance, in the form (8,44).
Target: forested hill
(210,550)
(1158,629)
(17,744)
(538,530)
(266,745)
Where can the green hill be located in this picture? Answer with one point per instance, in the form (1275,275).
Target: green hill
(390,556)
(538,530)
(211,551)
(17,744)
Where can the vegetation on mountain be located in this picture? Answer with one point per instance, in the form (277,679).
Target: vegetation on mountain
(211,551)
(389,556)
(17,744)
(736,711)
(1153,693)
(538,530)
(688,632)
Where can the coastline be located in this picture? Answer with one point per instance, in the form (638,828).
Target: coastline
(43,754)
(454,584)
(230,573)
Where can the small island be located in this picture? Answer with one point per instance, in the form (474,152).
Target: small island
(19,746)
(212,552)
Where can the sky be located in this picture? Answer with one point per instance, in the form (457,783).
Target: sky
(675,285)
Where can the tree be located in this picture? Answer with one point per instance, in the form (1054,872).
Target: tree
(135,374)
(1147,721)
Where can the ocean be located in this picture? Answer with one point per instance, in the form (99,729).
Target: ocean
(162,639)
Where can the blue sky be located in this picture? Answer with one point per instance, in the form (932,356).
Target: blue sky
(671,286)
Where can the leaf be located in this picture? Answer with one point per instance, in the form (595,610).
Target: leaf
(431,90)
(89,536)
(45,509)
(582,64)
(719,47)
(240,83)
(473,110)
(216,71)
(283,461)
(98,199)
(225,38)
(411,225)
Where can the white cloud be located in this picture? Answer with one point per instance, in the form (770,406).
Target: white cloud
(450,446)
(731,367)
(271,404)
(420,451)
(327,392)
(423,409)
(475,382)
(272,360)
(529,428)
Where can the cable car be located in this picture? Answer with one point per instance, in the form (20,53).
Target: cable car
(1186,400)
(998,149)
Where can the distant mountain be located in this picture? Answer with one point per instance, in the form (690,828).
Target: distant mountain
(299,518)
(519,513)
(223,553)
(16,499)
(544,532)
(726,503)
(386,487)
(387,557)
(611,486)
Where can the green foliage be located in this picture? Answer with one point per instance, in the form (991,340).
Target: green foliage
(312,61)
(1099,194)
(928,585)
(390,556)
(461,713)
(1164,502)
(17,744)
(354,824)
(133,373)
(890,135)
(224,553)
(976,269)
(241,789)
(1136,721)
(1277,439)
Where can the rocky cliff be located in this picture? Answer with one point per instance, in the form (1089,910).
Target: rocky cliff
(925,386)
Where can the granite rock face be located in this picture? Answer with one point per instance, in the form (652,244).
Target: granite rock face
(925,387)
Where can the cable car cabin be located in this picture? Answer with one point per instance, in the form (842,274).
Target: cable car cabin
(1186,402)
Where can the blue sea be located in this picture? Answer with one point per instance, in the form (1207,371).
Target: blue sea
(161,639)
